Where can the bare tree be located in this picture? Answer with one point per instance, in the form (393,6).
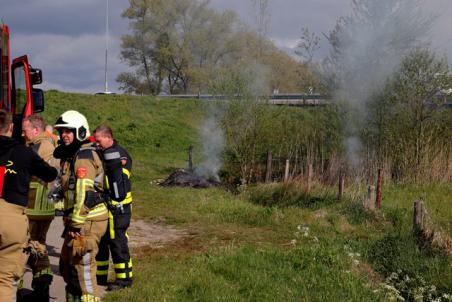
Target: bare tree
(308,45)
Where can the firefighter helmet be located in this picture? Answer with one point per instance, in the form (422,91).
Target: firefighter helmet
(74,120)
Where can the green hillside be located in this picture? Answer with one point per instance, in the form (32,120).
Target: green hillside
(239,247)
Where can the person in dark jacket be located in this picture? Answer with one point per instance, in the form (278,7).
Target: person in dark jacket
(118,166)
(17,164)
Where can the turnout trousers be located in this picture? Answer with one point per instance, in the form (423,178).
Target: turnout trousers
(79,268)
(38,232)
(13,241)
(115,241)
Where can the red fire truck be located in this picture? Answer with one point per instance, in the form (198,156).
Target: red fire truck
(17,94)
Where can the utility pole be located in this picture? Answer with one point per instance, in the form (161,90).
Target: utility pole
(107,36)
(262,20)
(106,47)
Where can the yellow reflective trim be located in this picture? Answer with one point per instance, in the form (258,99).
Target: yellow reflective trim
(59,205)
(111,225)
(127,200)
(89,298)
(120,265)
(38,199)
(79,200)
(97,212)
(46,271)
(20,284)
(102,273)
(102,263)
(121,276)
(33,212)
(78,219)
(126,172)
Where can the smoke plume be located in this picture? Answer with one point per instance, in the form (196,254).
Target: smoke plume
(367,48)
(212,147)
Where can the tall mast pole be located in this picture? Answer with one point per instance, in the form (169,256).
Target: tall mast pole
(106,48)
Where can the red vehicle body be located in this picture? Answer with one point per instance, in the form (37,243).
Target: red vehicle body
(17,94)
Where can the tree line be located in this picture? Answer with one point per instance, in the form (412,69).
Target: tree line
(387,83)
(185,46)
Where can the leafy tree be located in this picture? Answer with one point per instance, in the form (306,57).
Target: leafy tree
(174,42)
(184,46)
(367,48)
(415,133)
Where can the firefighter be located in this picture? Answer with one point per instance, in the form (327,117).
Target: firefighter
(57,201)
(17,164)
(85,213)
(41,210)
(118,165)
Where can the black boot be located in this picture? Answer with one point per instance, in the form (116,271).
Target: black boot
(120,284)
(41,288)
(102,280)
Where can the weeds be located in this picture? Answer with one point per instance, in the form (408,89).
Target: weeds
(403,287)
(285,195)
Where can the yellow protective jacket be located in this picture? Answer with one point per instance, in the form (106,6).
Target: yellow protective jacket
(39,207)
(84,173)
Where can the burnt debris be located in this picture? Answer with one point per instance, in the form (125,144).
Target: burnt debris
(184,178)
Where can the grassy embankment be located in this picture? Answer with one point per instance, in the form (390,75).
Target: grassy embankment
(244,247)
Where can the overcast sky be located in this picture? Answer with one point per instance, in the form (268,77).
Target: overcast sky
(66,38)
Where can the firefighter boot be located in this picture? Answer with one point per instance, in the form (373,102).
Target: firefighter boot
(41,287)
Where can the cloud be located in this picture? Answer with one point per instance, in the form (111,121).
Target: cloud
(290,43)
(65,38)
(70,63)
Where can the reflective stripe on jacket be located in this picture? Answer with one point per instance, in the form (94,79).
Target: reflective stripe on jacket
(75,186)
(39,206)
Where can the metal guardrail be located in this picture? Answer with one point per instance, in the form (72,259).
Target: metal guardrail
(289,99)
(275,99)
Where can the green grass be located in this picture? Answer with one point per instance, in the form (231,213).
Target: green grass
(266,243)
(437,198)
(302,273)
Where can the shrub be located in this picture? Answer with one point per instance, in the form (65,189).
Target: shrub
(285,195)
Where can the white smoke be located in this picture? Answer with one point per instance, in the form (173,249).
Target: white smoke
(254,80)
(212,147)
(371,44)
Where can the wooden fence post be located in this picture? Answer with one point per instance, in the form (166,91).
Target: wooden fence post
(268,174)
(190,159)
(379,188)
(286,171)
(419,216)
(369,203)
(310,172)
(340,193)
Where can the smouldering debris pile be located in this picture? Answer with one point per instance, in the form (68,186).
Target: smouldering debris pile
(184,178)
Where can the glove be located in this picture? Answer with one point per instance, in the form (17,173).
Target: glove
(79,246)
(36,249)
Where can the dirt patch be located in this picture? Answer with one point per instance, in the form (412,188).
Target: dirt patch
(153,234)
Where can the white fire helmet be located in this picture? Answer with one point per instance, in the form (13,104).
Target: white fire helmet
(74,120)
